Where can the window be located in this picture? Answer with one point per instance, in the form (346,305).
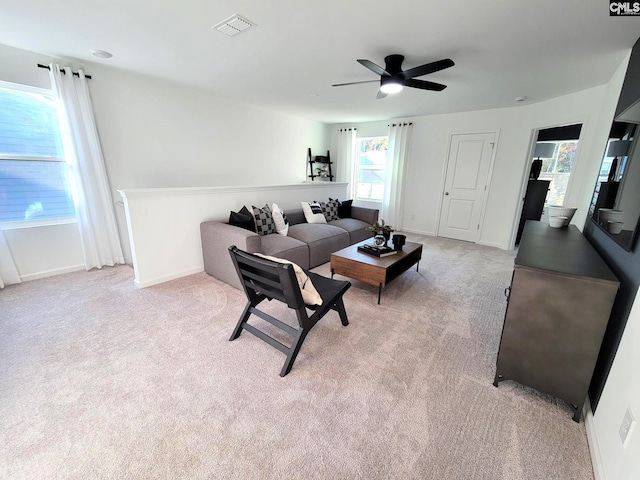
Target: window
(558,169)
(34,181)
(370,165)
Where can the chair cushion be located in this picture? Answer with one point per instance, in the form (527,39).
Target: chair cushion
(309,293)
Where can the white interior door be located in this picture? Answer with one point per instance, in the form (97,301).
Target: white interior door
(465,186)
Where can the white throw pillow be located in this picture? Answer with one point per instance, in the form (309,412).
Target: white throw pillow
(313,212)
(280,219)
(309,293)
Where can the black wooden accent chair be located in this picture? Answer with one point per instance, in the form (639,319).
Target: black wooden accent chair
(265,279)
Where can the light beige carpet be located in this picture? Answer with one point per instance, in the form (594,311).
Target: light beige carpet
(102,380)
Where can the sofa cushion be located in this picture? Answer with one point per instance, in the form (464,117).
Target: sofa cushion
(356,229)
(313,212)
(322,240)
(296,216)
(264,220)
(286,247)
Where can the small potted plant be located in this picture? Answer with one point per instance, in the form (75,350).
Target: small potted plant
(381,228)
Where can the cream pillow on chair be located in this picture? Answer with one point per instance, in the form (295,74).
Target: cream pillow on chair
(309,293)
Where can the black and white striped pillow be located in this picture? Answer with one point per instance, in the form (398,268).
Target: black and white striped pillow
(264,220)
(313,212)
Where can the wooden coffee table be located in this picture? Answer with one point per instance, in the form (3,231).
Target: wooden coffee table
(373,270)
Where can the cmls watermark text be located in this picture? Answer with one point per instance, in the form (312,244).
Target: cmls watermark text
(623,9)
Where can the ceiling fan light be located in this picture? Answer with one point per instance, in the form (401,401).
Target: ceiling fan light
(390,87)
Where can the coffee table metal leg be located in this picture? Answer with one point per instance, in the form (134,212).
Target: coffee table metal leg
(418,266)
(379,292)
(332,273)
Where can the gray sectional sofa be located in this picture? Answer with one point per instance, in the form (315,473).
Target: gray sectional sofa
(307,244)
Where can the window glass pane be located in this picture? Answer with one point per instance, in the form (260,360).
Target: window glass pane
(370,168)
(33,190)
(558,170)
(28,124)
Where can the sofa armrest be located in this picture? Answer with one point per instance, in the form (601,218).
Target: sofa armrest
(216,238)
(367,215)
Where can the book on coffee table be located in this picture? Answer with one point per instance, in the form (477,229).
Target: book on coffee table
(377,251)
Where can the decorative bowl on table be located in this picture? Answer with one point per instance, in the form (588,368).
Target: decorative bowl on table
(560,211)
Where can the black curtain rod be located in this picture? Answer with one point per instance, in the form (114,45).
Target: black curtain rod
(399,124)
(76,74)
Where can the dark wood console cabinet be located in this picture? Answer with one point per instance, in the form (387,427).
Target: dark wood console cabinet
(558,308)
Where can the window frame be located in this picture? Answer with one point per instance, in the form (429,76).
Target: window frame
(17,224)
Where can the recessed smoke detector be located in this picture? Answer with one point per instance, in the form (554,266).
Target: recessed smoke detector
(233,25)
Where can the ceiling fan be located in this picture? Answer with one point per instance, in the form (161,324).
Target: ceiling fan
(393,78)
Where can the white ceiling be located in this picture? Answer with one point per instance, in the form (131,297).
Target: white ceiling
(503,49)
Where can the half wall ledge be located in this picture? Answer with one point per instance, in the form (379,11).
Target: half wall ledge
(164,223)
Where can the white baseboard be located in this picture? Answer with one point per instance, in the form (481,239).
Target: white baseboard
(495,245)
(166,278)
(592,440)
(419,232)
(51,273)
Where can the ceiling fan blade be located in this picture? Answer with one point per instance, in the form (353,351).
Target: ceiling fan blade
(438,87)
(353,83)
(428,68)
(374,68)
(381,94)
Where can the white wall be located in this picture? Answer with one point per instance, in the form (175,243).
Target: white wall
(156,134)
(612,460)
(426,165)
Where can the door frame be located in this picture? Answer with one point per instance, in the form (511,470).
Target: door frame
(533,138)
(443,178)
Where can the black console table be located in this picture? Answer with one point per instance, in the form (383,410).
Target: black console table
(558,308)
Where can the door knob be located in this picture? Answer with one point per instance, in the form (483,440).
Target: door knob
(446,193)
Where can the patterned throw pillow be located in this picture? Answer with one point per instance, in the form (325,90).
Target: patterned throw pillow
(264,220)
(280,220)
(330,210)
(313,212)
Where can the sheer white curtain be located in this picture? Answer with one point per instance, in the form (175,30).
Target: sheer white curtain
(92,196)
(8,271)
(392,203)
(344,158)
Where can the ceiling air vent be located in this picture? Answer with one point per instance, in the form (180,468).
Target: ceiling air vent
(233,25)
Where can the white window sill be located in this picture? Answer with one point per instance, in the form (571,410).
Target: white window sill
(37,223)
